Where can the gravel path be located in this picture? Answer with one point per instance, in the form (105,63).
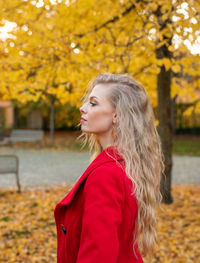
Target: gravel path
(44,167)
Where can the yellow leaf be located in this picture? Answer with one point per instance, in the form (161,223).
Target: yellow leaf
(176,68)
(167,63)
(189,111)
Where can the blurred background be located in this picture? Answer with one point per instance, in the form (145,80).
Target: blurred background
(49,51)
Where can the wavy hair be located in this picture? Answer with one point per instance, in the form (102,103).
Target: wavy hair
(138,143)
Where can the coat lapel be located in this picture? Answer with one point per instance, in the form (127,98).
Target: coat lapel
(108,155)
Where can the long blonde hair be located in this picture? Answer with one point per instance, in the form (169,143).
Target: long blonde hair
(139,145)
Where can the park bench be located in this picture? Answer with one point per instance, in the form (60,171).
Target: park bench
(10,164)
(26,135)
(18,135)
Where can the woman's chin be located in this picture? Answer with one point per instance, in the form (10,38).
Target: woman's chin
(84,130)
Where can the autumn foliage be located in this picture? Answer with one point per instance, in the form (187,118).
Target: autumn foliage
(28,232)
(57,46)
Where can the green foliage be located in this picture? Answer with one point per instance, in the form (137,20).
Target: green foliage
(66,116)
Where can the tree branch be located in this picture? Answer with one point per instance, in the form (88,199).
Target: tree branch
(112,20)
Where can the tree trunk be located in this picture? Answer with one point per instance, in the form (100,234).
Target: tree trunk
(164,106)
(173,112)
(165,130)
(52,113)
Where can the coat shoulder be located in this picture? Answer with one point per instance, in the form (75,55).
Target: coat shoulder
(112,169)
(109,175)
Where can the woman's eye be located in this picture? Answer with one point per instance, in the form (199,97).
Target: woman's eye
(93,104)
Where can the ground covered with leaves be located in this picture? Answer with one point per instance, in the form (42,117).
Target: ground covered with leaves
(28,233)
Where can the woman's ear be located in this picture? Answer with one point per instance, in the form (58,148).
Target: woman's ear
(115,118)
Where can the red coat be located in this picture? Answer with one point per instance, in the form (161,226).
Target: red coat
(95,221)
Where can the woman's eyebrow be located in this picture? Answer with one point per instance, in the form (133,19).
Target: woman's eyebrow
(93,97)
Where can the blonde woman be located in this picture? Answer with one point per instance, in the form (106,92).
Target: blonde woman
(109,215)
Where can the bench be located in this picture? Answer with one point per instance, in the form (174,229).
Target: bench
(26,135)
(23,136)
(10,164)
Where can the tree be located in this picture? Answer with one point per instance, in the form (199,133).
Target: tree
(145,32)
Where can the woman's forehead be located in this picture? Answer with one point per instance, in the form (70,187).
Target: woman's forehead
(99,91)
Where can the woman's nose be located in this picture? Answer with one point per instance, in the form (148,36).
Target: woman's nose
(82,109)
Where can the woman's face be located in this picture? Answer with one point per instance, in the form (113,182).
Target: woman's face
(97,114)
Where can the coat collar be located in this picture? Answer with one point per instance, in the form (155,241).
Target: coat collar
(110,154)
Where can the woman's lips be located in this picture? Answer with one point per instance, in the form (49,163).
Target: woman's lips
(82,120)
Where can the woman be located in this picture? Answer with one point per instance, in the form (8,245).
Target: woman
(113,202)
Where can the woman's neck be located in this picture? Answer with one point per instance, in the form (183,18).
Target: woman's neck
(105,140)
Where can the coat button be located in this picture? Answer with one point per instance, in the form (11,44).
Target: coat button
(63,229)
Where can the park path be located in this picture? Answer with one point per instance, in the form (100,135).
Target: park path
(48,167)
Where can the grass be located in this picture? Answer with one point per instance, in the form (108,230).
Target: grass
(67,140)
(186,145)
